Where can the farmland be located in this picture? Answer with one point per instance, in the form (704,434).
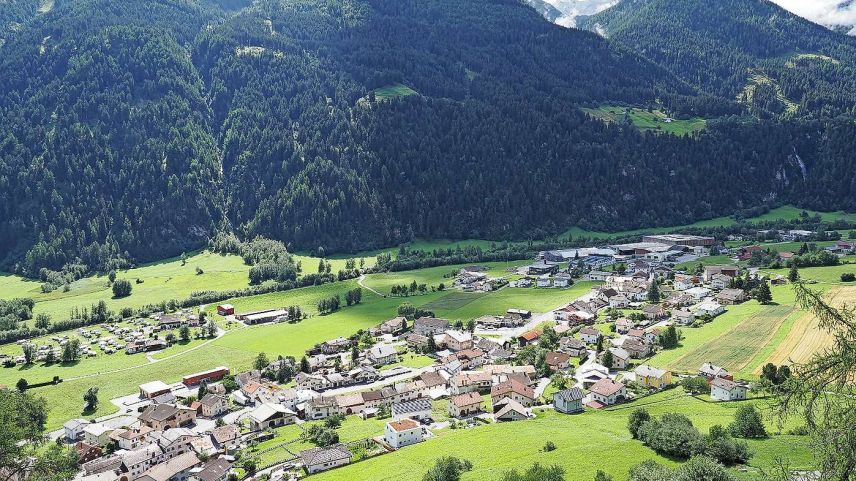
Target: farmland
(652,120)
(581,441)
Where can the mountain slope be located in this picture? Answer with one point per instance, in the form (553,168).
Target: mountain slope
(773,61)
(133,130)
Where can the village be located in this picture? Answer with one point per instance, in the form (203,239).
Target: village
(589,354)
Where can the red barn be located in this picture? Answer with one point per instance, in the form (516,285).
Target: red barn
(226,309)
(211,375)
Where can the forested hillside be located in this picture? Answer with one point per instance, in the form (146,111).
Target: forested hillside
(136,129)
(777,64)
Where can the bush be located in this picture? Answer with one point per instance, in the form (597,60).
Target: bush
(848,277)
(447,468)
(695,385)
(637,419)
(672,435)
(549,446)
(121,288)
(747,423)
(702,468)
(720,446)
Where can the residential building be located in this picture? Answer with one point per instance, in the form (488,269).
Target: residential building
(683,317)
(429,326)
(73,429)
(270,416)
(132,438)
(164,416)
(175,469)
(214,470)
(214,405)
(465,405)
(708,308)
(511,410)
(710,271)
(620,358)
(590,335)
(457,340)
(558,361)
(316,460)
(608,392)
(574,347)
(382,354)
(569,400)
(417,409)
(710,372)
(652,377)
(403,433)
(728,297)
(512,389)
(97,434)
(723,389)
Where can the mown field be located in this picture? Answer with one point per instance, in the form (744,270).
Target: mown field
(654,120)
(584,443)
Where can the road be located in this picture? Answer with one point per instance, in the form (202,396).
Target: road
(361,283)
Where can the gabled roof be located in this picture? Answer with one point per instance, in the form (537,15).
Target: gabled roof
(467,399)
(606,387)
(511,406)
(570,394)
(408,407)
(512,385)
(214,470)
(336,452)
(723,383)
(165,471)
(645,370)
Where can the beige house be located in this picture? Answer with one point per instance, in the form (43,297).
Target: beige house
(465,405)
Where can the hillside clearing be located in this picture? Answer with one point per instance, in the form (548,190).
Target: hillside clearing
(652,120)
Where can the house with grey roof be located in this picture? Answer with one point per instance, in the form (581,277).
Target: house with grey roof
(316,460)
(569,400)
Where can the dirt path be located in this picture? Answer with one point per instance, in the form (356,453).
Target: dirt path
(151,360)
(361,283)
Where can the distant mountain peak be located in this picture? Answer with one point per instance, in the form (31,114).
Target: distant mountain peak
(838,15)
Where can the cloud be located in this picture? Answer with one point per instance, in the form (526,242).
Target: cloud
(833,13)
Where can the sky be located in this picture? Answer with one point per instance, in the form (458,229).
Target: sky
(824,12)
(834,13)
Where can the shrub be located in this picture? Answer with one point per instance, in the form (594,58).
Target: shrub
(121,288)
(637,419)
(848,277)
(747,423)
(672,435)
(549,446)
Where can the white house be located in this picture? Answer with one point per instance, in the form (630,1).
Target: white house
(590,335)
(723,389)
(415,409)
(403,433)
(569,400)
(698,293)
(607,392)
(316,460)
(543,281)
(73,429)
(97,434)
(382,354)
(270,416)
(709,308)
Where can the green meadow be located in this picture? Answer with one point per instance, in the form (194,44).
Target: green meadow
(584,443)
(645,120)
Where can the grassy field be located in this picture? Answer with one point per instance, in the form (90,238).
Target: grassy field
(393,91)
(120,374)
(581,441)
(732,340)
(654,120)
(805,337)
